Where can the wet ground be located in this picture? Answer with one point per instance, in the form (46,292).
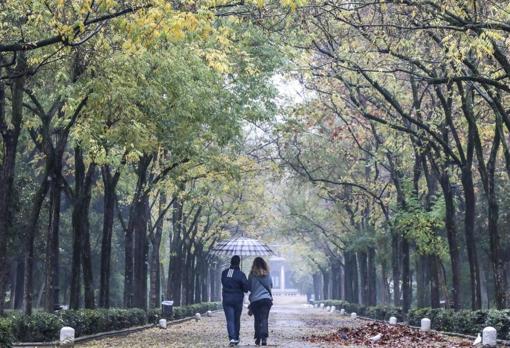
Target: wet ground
(289,324)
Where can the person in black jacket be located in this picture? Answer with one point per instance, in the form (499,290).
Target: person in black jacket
(235,285)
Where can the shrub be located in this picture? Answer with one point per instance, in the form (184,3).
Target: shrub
(38,327)
(500,320)
(6,337)
(43,327)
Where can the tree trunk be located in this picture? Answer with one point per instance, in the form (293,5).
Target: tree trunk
(325,284)
(395,267)
(10,132)
(31,233)
(469,226)
(20,275)
(372,278)
(498,265)
(110,184)
(155,269)
(406,276)
(175,268)
(135,278)
(82,255)
(317,286)
(434,281)
(52,244)
(141,254)
(363,276)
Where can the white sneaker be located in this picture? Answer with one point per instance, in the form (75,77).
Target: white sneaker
(233,343)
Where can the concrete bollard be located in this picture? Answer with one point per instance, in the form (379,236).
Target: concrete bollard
(333,309)
(489,337)
(162,323)
(354,315)
(393,321)
(322,305)
(328,308)
(67,337)
(425,324)
(209,313)
(316,306)
(342,311)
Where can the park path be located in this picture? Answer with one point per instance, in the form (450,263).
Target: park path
(289,323)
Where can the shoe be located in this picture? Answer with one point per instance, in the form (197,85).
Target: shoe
(257,342)
(232,343)
(264,342)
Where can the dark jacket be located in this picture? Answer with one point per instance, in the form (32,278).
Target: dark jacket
(234,284)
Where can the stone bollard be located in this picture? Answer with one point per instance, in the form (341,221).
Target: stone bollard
(342,311)
(354,315)
(162,323)
(393,321)
(209,313)
(316,306)
(333,309)
(425,324)
(67,337)
(328,308)
(489,337)
(322,305)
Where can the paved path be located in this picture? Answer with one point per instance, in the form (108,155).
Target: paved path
(289,323)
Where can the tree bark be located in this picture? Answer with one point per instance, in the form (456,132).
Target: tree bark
(406,276)
(372,277)
(136,241)
(110,184)
(52,245)
(175,267)
(31,232)
(363,276)
(469,226)
(10,135)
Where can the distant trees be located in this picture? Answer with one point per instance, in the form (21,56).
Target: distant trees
(413,94)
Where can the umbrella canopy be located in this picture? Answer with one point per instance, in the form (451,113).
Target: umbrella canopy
(241,246)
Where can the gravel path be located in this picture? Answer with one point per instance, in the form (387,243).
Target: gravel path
(289,323)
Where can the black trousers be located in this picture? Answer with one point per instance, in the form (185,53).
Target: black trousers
(260,310)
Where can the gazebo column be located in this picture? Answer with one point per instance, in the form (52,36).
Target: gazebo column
(282,277)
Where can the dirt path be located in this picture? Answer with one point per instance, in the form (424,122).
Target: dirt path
(289,323)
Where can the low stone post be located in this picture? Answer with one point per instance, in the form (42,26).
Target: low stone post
(333,309)
(209,313)
(67,337)
(342,311)
(322,305)
(162,323)
(425,324)
(489,337)
(354,315)
(393,321)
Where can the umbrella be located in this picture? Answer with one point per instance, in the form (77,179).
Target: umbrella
(241,246)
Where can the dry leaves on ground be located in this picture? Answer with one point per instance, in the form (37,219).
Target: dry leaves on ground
(398,336)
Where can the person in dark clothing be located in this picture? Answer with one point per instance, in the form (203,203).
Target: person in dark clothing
(235,285)
(261,299)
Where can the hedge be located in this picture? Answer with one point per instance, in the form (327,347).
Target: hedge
(378,312)
(44,327)
(464,321)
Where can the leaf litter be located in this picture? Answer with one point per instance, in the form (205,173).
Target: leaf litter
(394,336)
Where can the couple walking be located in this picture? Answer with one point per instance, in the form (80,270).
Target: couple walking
(235,284)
